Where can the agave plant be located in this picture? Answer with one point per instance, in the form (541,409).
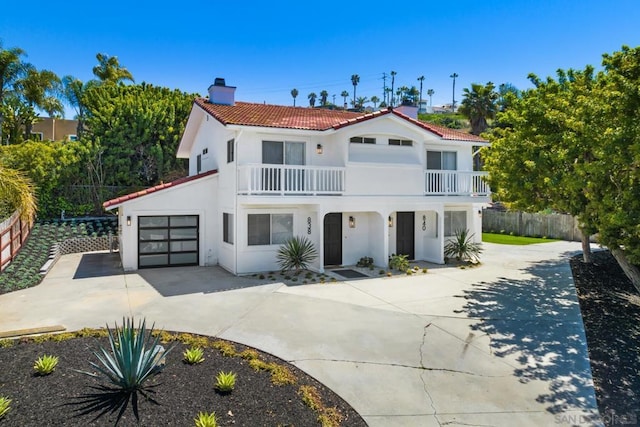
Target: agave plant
(135,356)
(5,406)
(46,364)
(296,254)
(463,247)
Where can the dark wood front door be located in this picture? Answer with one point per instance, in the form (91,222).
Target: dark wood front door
(333,239)
(405,234)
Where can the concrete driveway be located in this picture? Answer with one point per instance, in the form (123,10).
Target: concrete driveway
(501,344)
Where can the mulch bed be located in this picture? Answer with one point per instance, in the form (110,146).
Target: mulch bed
(610,308)
(180,390)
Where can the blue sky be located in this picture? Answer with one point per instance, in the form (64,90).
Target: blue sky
(268,48)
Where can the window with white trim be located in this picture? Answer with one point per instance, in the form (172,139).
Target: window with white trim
(362,140)
(454,221)
(227,228)
(269,229)
(442,160)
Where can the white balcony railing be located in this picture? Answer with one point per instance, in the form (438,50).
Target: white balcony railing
(290,179)
(456,183)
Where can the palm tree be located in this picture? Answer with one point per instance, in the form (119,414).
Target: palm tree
(312,99)
(11,69)
(323,98)
(355,79)
(344,95)
(375,101)
(478,105)
(17,192)
(430,92)
(40,89)
(294,94)
(109,70)
(420,79)
(453,100)
(393,80)
(360,101)
(73,92)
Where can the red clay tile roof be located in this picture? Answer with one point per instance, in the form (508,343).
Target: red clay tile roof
(278,116)
(126,197)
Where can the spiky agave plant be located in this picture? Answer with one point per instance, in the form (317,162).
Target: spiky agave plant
(134,356)
(296,254)
(463,247)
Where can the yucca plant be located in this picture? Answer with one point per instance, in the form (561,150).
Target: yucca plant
(193,355)
(135,356)
(463,248)
(46,364)
(206,420)
(296,254)
(225,381)
(5,406)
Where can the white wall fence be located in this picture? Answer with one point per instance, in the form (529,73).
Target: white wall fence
(553,226)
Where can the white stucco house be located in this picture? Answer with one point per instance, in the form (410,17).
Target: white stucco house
(355,184)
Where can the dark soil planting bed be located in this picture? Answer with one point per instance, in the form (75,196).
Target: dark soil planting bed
(180,391)
(610,308)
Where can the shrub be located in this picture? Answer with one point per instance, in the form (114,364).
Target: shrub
(225,381)
(135,356)
(296,254)
(399,262)
(206,420)
(46,364)
(6,343)
(5,406)
(193,355)
(463,247)
(365,261)
(226,348)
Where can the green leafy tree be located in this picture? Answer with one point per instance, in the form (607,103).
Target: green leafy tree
(109,70)
(294,94)
(73,92)
(136,130)
(40,90)
(375,100)
(479,105)
(51,166)
(360,101)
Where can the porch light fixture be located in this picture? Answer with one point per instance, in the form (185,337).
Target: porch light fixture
(129,221)
(390,221)
(319,148)
(352,222)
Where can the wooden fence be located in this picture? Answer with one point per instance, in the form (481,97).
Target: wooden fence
(553,226)
(13,232)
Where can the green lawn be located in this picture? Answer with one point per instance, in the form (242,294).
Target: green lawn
(505,239)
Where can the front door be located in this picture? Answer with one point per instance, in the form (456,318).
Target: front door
(333,239)
(405,234)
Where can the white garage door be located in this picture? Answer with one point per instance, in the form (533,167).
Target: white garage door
(165,241)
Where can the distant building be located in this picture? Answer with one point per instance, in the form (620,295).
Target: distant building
(51,129)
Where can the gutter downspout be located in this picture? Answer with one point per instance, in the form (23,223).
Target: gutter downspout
(235,198)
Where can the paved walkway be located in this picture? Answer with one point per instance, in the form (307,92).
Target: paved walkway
(497,345)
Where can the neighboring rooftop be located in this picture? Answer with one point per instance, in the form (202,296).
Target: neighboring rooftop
(278,116)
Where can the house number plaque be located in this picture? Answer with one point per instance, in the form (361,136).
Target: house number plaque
(424,222)
(308,225)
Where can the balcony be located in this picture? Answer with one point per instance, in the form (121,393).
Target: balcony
(291,180)
(455,183)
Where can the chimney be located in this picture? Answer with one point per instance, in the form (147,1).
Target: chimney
(220,93)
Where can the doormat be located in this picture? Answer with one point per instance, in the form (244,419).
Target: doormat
(349,274)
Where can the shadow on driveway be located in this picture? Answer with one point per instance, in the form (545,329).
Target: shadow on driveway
(99,265)
(538,322)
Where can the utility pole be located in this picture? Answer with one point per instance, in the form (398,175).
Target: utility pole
(384,88)
(334,99)
(453,101)
(393,80)
(420,79)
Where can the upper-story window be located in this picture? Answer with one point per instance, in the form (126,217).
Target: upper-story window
(283,153)
(230,150)
(442,160)
(362,140)
(402,142)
